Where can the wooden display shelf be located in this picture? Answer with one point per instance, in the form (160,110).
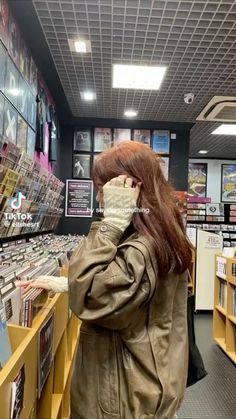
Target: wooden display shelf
(53,402)
(224,323)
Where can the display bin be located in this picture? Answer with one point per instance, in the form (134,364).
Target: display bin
(24,353)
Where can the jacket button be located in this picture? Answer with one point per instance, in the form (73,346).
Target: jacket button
(103,228)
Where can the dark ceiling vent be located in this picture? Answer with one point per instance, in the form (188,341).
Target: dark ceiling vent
(219,109)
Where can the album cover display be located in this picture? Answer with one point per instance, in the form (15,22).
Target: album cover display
(102,139)
(81,166)
(30,143)
(31,109)
(24,59)
(10,122)
(122,134)
(21,140)
(82,140)
(3,59)
(4,22)
(12,82)
(142,136)
(22,104)
(14,37)
(33,76)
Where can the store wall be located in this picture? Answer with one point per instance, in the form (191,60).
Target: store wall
(213,176)
(178,174)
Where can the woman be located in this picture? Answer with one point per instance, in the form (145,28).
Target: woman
(128,285)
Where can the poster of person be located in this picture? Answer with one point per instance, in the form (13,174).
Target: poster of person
(102,139)
(4,22)
(33,76)
(30,143)
(197,179)
(228,176)
(161,142)
(10,122)
(45,352)
(24,60)
(121,134)
(81,166)
(12,82)
(21,139)
(142,136)
(14,40)
(82,139)
(3,59)
(164,163)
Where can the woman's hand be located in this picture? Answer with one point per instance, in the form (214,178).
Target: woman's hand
(120,199)
(51,283)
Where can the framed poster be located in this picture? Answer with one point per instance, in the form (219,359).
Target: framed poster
(12,82)
(10,122)
(33,76)
(30,143)
(3,59)
(21,139)
(1,113)
(4,22)
(102,139)
(82,139)
(81,166)
(45,352)
(14,40)
(228,183)
(197,179)
(22,103)
(31,109)
(161,142)
(142,136)
(79,198)
(121,134)
(24,60)
(164,163)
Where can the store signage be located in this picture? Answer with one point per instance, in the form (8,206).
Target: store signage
(79,198)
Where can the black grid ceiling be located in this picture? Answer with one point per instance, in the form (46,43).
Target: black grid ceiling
(195,39)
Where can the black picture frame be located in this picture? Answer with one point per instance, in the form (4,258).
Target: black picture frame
(81,166)
(228,183)
(102,139)
(82,139)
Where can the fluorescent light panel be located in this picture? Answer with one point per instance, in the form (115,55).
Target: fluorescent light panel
(203,151)
(80,45)
(130,113)
(87,95)
(225,129)
(137,77)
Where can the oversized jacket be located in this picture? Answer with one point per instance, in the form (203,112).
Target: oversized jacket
(132,357)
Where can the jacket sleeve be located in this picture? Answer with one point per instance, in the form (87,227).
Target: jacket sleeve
(102,291)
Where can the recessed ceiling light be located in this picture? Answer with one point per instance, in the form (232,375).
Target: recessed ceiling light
(137,77)
(203,151)
(225,129)
(130,113)
(80,45)
(87,95)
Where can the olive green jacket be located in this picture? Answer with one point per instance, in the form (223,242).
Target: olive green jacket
(132,356)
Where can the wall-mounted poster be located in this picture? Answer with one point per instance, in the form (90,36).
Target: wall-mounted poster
(31,109)
(14,38)
(3,59)
(12,82)
(10,122)
(45,352)
(102,139)
(30,143)
(197,179)
(24,60)
(142,136)
(164,163)
(1,113)
(81,166)
(21,139)
(33,76)
(82,139)
(228,182)
(122,134)
(161,142)
(4,22)
(22,104)
(79,198)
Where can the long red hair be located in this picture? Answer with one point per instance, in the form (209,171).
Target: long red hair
(163,225)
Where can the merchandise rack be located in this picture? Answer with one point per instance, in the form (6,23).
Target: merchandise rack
(224,322)
(53,401)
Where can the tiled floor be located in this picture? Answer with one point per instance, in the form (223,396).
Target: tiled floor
(215,396)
